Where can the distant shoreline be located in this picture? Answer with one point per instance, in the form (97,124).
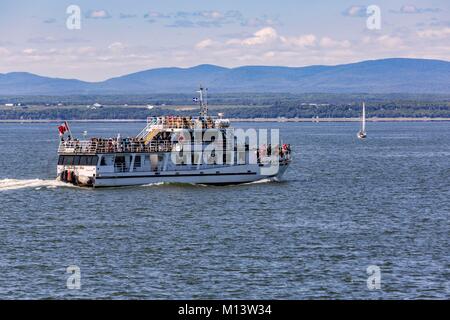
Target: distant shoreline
(281,120)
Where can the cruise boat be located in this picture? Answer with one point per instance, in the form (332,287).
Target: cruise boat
(172,149)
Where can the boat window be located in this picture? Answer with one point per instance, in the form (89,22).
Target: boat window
(103,161)
(93,160)
(137,162)
(119,159)
(78,160)
(68,160)
(195,158)
(241,157)
(83,160)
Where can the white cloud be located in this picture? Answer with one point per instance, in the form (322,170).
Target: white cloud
(434,33)
(211,14)
(269,54)
(84,50)
(384,42)
(411,9)
(327,42)
(29,51)
(4,51)
(263,21)
(47,39)
(390,41)
(116,47)
(260,37)
(355,11)
(408,9)
(300,41)
(270,37)
(210,18)
(98,14)
(204,44)
(156,15)
(267,46)
(128,16)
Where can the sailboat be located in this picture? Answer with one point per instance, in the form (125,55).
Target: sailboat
(362,133)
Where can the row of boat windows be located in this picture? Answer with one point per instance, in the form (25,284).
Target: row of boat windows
(93,160)
(78,160)
(120,160)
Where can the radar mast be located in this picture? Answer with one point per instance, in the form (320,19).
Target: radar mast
(203,92)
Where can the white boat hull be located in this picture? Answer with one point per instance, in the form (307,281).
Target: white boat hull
(361,135)
(220,176)
(89,176)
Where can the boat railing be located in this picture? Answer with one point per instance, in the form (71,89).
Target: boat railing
(113,146)
(120,167)
(162,123)
(101,146)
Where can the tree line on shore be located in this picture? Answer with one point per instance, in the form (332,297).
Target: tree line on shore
(234,106)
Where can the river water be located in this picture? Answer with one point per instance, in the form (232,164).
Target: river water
(344,205)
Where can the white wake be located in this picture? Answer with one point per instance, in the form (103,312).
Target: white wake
(14,184)
(267,180)
(154,184)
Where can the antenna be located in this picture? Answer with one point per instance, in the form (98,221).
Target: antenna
(203,101)
(205,105)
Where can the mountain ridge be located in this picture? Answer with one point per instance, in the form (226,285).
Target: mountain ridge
(393,75)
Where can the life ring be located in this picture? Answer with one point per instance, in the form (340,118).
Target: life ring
(180,139)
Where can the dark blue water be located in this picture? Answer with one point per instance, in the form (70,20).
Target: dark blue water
(344,205)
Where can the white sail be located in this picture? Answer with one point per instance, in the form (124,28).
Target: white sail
(362,132)
(363,123)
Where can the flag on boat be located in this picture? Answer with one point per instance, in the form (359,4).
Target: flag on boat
(63,128)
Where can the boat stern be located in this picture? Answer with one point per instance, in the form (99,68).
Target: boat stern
(80,170)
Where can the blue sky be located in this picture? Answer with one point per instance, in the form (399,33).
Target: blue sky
(119,37)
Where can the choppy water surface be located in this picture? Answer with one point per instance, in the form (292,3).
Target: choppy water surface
(344,205)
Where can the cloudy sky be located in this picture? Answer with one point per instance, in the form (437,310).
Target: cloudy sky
(120,37)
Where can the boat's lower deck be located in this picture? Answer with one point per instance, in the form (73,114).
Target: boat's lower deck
(238,174)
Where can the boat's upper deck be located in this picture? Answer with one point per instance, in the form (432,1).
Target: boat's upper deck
(157,136)
(171,123)
(178,122)
(113,145)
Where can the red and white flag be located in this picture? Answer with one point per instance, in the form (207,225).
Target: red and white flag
(63,128)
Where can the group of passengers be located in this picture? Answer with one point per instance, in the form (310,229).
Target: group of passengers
(118,144)
(283,151)
(179,122)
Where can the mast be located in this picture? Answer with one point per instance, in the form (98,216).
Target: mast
(203,92)
(363,128)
